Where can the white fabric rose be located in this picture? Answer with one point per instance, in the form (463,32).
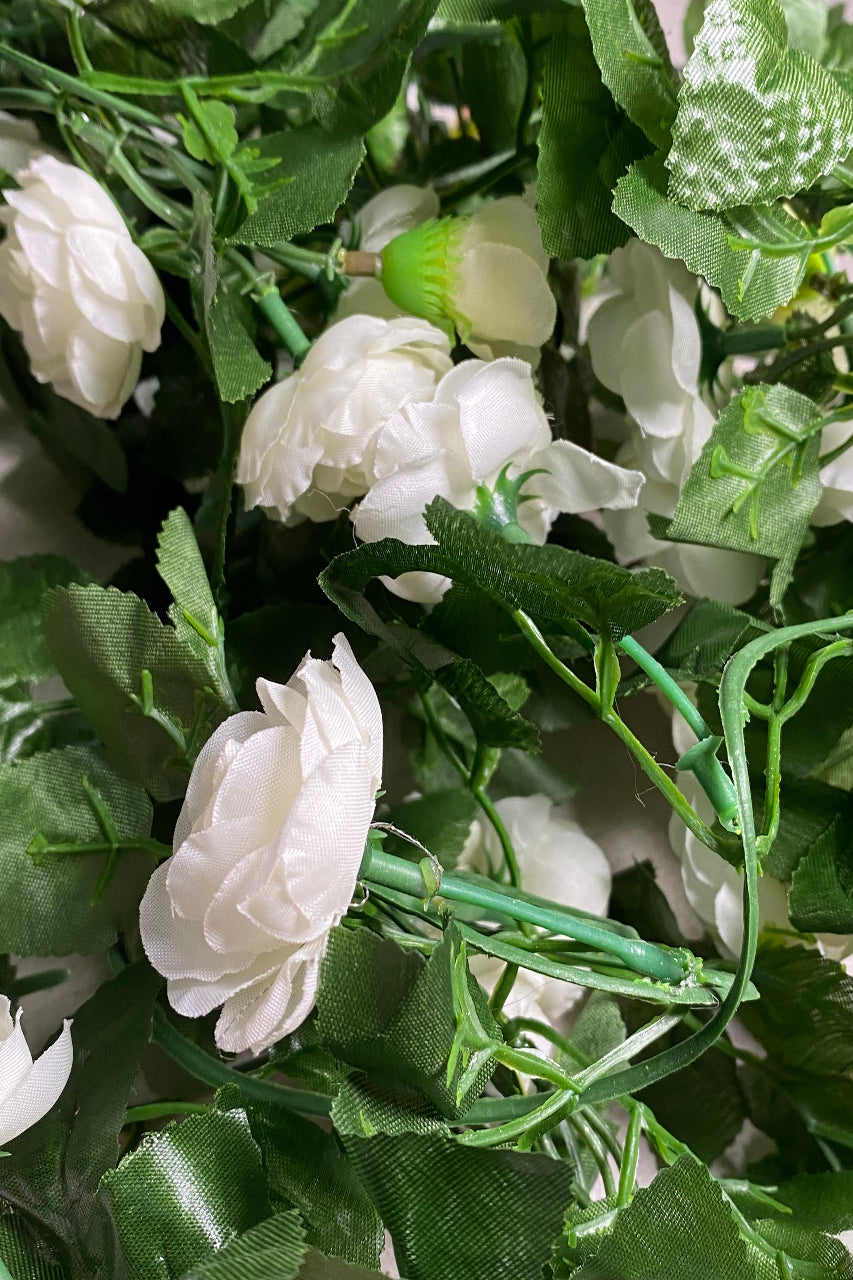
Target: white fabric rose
(483,416)
(486,273)
(267,850)
(645,345)
(28,1089)
(558,861)
(308,443)
(19,143)
(384,216)
(85,299)
(836,501)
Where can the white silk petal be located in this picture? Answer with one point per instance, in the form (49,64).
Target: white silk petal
(40,1090)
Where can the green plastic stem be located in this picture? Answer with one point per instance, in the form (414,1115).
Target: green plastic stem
(643,957)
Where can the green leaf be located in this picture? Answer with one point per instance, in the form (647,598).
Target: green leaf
(585,143)
(548,582)
(390,1013)
(756,121)
(23,652)
(753,283)
(805,1015)
(53,1171)
(183,1191)
(456,1211)
(441,821)
(679,1226)
(102,640)
(193,612)
(755,483)
(211,12)
(821,1200)
(219,123)
(316,170)
(702,1105)
(272,1250)
(49,908)
(819,901)
(26,1257)
(631,51)
(306,1169)
(238,367)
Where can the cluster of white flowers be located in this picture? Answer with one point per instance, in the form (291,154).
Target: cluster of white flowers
(645,345)
(558,861)
(369,415)
(28,1089)
(267,850)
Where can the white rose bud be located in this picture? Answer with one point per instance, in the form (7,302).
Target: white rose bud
(267,851)
(307,446)
(85,299)
(645,345)
(558,861)
(387,214)
(483,417)
(28,1089)
(485,274)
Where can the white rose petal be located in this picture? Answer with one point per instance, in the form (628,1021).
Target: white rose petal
(19,143)
(836,477)
(308,443)
(645,345)
(483,417)
(85,299)
(266,852)
(28,1089)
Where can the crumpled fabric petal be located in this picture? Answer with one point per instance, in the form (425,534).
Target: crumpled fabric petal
(28,1089)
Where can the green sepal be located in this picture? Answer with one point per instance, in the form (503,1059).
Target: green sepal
(417,268)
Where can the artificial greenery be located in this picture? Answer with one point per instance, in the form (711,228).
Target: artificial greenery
(240,140)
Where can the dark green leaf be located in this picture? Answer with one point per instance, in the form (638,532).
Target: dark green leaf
(101,641)
(702,1105)
(637,900)
(306,1169)
(390,1013)
(23,652)
(316,171)
(819,902)
(185,1190)
(681,1223)
(53,1172)
(585,144)
(239,368)
(48,909)
(753,284)
(272,1250)
(548,582)
(631,51)
(805,1015)
(454,1211)
(756,483)
(441,821)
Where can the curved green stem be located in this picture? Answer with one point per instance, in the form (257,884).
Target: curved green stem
(268,300)
(211,1071)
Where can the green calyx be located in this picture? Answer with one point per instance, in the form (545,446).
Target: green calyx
(419,268)
(497,508)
